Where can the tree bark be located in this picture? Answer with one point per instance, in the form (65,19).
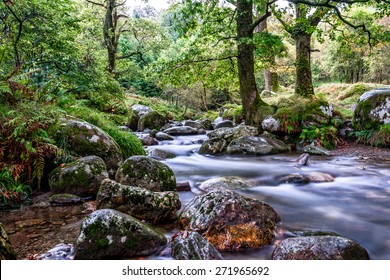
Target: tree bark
(304,83)
(110,36)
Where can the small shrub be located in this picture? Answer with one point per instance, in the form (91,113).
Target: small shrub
(11,192)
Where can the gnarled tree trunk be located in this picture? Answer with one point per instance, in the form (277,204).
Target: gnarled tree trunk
(304,83)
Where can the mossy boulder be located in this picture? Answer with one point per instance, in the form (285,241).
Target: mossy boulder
(231,133)
(7,252)
(147,173)
(161,136)
(135,113)
(230,221)
(224,183)
(84,139)
(181,130)
(213,146)
(224,123)
(192,246)
(160,154)
(251,145)
(81,177)
(110,234)
(140,203)
(372,110)
(193,124)
(152,120)
(319,248)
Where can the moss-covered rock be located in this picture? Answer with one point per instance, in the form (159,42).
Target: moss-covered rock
(160,154)
(161,136)
(319,248)
(192,246)
(223,124)
(147,173)
(231,133)
(151,120)
(110,234)
(372,109)
(213,146)
(81,177)
(7,252)
(135,113)
(140,203)
(230,221)
(181,130)
(251,145)
(193,124)
(84,139)
(224,183)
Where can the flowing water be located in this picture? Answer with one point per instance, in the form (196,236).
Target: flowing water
(356,205)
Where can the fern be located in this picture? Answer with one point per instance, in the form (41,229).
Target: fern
(39,166)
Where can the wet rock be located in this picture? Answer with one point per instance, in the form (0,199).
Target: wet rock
(192,246)
(110,234)
(160,154)
(224,183)
(147,173)
(161,136)
(270,124)
(61,251)
(303,159)
(224,123)
(319,177)
(183,187)
(65,199)
(319,248)
(152,120)
(136,112)
(318,114)
(181,130)
(139,203)
(372,109)
(85,139)
(7,252)
(315,150)
(81,177)
(294,179)
(147,140)
(230,221)
(251,145)
(193,124)
(171,124)
(230,133)
(213,146)
(206,124)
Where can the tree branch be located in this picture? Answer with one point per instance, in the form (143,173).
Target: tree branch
(95,3)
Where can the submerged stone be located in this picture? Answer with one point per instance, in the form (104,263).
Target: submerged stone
(230,221)
(110,234)
(192,246)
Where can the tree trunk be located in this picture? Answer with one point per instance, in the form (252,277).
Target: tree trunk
(304,83)
(251,101)
(110,37)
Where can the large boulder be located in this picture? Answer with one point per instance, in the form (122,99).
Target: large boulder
(147,173)
(193,124)
(319,248)
(81,177)
(372,109)
(251,145)
(110,234)
(136,112)
(152,120)
(224,123)
(7,252)
(224,183)
(230,221)
(271,124)
(160,154)
(231,133)
(213,146)
(181,130)
(85,139)
(161,136)
(192,246)
(140,203)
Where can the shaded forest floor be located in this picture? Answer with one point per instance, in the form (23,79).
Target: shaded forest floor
(361,151)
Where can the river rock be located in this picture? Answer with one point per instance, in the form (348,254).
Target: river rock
(207,124)
(224,183)
(147,173)
(110,234)
(294,178)
(85,139)
(65,199)
(160,154)
(192,246)
(147,140)
(316,150)
(151,120)
(181,130)
(161,136)
(271,124)
(213,146)
(81,177)
(140,203)
(136,112)
(319,248)
(193,124)
(251,145)
(230,133)
(319,177)
(372,109)
(7,252)
(224,123)
(59,252)
(230,221)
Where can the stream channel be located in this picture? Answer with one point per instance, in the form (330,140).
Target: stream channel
(356,205)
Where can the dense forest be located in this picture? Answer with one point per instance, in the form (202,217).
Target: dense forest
(296,69)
